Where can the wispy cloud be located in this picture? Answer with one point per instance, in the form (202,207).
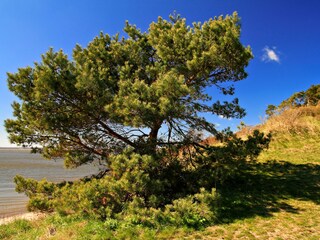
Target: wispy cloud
(270,55)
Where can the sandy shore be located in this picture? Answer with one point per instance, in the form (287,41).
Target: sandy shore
(27,216)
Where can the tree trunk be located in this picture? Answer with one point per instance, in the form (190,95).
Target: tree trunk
(153,136)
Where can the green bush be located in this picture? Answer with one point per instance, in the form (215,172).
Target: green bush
(193,211)
(39,192)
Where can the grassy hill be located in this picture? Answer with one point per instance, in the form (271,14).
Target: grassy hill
(296,135)
(278,197)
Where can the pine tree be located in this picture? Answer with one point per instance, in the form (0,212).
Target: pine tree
(146,91)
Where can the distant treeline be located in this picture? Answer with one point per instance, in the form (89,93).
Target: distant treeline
(310,97)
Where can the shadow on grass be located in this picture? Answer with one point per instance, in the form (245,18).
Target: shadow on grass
(264,187)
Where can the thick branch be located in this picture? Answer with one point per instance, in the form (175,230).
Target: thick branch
(116,135)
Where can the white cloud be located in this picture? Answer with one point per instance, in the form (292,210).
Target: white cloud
(223,117)
(270,54)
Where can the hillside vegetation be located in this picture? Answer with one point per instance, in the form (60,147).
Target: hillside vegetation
(295,135)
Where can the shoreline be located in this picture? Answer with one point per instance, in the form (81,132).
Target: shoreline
(26,216)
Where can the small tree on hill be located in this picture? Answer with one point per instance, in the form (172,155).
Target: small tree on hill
(313,95)
(271,110)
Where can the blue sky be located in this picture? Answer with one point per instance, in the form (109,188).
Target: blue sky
(284,37)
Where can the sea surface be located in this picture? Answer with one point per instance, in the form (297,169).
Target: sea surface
(20,161)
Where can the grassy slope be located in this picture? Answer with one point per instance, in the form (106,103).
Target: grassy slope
(296,136)
(277,198)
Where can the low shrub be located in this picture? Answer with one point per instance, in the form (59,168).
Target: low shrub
(195,211)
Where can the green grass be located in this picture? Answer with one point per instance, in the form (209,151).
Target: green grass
(302,223)
(297,148)
(295,136)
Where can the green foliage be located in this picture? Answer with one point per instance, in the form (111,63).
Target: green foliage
(39,192)
(130,177)
(194,211)
(271,110)
(313,95)
(121,92)
(227,162)
(296,100)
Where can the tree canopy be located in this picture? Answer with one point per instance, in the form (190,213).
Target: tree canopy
(145,90)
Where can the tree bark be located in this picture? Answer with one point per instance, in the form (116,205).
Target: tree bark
(153,135)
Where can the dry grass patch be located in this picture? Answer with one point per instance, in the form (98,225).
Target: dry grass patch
(301,120)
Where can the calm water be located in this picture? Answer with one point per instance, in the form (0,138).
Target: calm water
(20,161)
